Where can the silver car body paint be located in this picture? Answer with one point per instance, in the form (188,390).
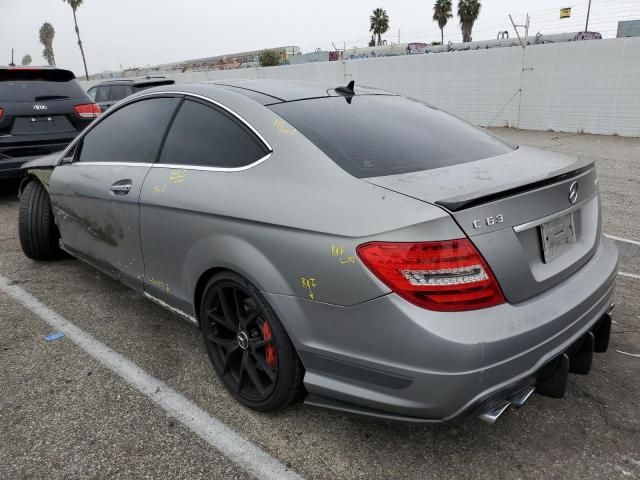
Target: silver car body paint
(291,223)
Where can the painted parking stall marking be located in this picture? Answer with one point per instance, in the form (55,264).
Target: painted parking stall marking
(629,275)
(620,239)
(248,456)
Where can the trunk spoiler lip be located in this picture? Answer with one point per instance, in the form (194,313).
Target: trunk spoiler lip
(460,203)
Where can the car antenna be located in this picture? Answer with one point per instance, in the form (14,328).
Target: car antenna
(347,91)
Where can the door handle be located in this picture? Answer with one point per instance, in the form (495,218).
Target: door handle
(120,188)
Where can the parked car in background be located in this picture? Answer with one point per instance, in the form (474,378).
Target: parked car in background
(110,92)
(358,249)
(41,110)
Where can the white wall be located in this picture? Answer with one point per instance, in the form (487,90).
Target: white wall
(590,86)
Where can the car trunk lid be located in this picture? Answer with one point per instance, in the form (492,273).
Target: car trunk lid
(518,210)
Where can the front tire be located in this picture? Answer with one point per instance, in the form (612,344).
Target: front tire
(248,346)
(39,235)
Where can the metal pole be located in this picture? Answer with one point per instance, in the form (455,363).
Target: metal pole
(586,27)
(516,29)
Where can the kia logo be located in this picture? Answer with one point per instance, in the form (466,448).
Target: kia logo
(573,193)
(40,108)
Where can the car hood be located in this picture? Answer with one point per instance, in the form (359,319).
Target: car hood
(464,185)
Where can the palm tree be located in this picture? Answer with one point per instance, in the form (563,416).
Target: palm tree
(47,32)
(379,23)
(26,60)
(468,11)
(441,14)
(74,4)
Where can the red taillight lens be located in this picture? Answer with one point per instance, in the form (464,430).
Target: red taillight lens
(88,110)
(1,112)
(446,276)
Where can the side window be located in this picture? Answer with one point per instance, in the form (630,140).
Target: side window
(103,94)
(118,92)
(92,93)
(130,134)
(204,136)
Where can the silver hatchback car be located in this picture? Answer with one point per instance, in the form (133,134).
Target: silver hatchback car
(343,245)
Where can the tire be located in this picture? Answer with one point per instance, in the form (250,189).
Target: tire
(39,235)
(218,334)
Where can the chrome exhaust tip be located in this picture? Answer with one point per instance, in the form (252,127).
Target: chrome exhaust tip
(520,398)
(492,414)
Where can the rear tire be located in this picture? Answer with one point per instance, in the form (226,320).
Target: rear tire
(39,235)
(264,374)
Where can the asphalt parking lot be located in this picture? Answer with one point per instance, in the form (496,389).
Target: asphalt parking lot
(65,414)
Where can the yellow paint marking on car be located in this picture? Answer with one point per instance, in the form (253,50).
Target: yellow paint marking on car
(284,128)
(177,176)
(338,251)
(309,284)
(159,284)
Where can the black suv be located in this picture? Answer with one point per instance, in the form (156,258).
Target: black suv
(110,92)
(41,110)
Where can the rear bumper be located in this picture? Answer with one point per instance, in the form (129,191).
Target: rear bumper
(12,158)
(12,167)
(391,359)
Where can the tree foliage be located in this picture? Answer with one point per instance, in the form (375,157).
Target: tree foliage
(379,23)
(441,14)
(47,33)
(468,11)
(74,4)
(26,60)
(269,58)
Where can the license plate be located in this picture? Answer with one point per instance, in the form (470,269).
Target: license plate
(31,125)
(558,236)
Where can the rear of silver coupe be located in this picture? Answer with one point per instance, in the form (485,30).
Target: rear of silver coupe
(506,291)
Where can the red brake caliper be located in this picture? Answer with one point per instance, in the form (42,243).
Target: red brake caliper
(269,350)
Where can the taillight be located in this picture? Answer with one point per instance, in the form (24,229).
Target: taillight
(88,110)
(1,112)
(446,276)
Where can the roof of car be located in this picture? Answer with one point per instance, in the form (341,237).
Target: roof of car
(268,91)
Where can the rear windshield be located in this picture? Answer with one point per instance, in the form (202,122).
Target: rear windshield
(377,135)
(144,86)
(38,85)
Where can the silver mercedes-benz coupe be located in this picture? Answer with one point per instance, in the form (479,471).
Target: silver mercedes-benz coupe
(343,245)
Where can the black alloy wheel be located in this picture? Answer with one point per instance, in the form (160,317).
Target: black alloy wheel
(248,346)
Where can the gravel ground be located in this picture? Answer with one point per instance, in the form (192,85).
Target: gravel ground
(63,415)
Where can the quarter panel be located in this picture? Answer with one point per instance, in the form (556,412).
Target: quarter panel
(287,237)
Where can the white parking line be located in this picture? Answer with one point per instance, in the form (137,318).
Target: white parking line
(248,456)
(620,239)
(630,275)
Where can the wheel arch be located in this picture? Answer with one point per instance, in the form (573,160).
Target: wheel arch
(43,175)
(241,258)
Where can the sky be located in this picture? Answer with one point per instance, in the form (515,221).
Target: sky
(132,33)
